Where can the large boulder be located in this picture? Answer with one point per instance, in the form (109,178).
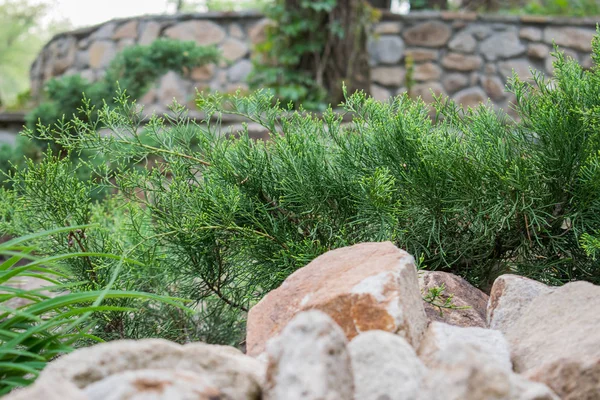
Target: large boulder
(309,361)
(153,385)
(439,336)
(470,302)
(556,340)
(462,374)
(224,368)
(385,366)
(509,297)
(362,287)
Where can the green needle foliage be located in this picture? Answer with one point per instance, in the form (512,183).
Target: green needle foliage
(35,327)
(225,219)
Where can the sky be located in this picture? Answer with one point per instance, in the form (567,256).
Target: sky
(91,12)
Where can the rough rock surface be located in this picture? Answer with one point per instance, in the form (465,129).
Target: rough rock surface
(385,366)
(236,375)
(556,339)
(153,385)
(463,295)
(509,297)
(309,361)
(57,390)
(439,336)
(362,287)
(462,374)
(428,34)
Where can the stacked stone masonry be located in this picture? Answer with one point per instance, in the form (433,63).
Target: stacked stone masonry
(463,55)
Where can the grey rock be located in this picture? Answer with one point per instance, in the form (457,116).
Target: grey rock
(105,31)
(150,31)
(385,366)
(462,374)
(464,43)
(386,49)
(439,337)
(102,53)
(309,360)
(538,51)
(239,71)
(380,93)
(531,33)
(153,385)
(453,82)
(509,297)
(502,45)
(470,301)
(493,86)
(555,341)
(236,375)
(521,67)
(424,91)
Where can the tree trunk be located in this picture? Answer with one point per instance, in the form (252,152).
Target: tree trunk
(343,60)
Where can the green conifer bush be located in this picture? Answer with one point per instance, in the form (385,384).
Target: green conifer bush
(222,220)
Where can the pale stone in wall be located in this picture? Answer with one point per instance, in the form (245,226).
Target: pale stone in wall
(426,72)
(236,31)
(380,93)
(470,97)
(464,43)
(258,31)
(531,33)
(538,50)
(101,53)
(233,49)
(502,45)
(239,71)
(104,32)
(388,76)
(428,34)
(202,32)
(493,87)
(454,81)
(521,67)
(129,30)
(172,86)
(576,38)
(203,73)
(461,62)
(419,55)
(149,32)
(388,28)
(424,91)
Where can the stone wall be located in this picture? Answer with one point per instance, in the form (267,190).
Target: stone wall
(469,56)
(465,55)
